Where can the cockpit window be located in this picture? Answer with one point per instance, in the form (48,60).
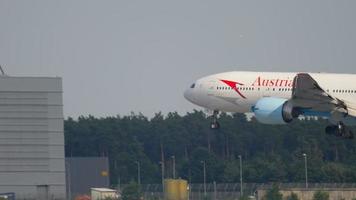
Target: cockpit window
(193,85)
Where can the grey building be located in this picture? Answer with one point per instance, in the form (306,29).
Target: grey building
(31,138)
(84,173)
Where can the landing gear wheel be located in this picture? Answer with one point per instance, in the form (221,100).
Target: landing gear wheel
(350,136)
(214,125)
(346,132)
(339,130)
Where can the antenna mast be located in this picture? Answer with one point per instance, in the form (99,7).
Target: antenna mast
(2,71)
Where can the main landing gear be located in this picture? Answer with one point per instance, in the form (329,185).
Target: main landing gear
(214,123)
(339,130)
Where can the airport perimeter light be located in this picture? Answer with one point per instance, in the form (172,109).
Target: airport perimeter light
(162,173)
(204,174)
(306,169)
(174,167)
(138,172)
(241,192)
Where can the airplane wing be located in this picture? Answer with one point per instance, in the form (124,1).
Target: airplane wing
(308,95)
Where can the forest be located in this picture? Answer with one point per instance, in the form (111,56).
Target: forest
(270,153)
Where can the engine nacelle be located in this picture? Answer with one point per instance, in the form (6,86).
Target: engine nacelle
(271,110)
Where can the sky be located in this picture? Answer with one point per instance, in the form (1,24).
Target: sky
(118,57)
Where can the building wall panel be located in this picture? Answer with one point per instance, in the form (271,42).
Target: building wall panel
(31,137)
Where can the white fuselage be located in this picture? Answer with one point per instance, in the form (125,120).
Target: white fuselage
(239,91)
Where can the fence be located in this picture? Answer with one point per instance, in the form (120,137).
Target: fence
(196,191)
(231,191)
(9,196)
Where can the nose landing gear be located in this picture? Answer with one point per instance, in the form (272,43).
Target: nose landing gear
(339,130)
(215,124)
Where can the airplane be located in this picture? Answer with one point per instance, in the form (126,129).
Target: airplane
(280,97)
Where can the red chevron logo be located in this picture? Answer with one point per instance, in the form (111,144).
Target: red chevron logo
(233,85)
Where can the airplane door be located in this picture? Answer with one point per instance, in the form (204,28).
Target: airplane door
(211,87)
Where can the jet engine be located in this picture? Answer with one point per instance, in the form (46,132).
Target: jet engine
(271,110)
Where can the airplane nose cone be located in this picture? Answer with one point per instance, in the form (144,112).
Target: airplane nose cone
(188,94)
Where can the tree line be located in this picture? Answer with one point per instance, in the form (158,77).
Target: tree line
(269,153)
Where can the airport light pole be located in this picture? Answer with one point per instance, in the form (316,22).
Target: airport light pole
(174,166)
(138,172)
(162,174)
(306,169)
(204,175)
(241,192)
